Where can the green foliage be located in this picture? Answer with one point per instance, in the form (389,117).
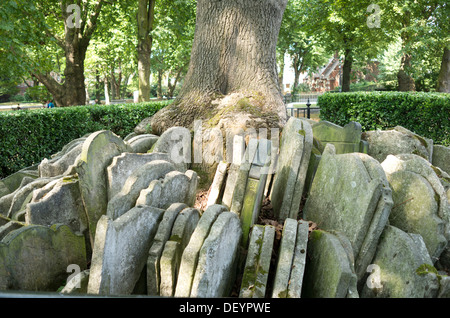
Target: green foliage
(28,136)
(426,114)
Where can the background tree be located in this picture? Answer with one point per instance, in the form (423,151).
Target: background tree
(301,46)
(348,27)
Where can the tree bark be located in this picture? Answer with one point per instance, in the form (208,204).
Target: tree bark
(347,71)
(232,67)
(145,18)
(443,84)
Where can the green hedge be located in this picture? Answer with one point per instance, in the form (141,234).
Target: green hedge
(28,136)
(426,114)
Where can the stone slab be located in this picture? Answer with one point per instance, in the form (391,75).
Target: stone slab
(121,250)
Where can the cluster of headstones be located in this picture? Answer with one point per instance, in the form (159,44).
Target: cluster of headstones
(363,215)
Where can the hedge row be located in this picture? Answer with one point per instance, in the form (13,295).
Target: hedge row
(28,136)
(426,114)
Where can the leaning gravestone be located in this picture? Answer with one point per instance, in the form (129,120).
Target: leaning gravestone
(345,139)
(36,258)
(62,164)
(396,267)
(420,201)
(350,194)
(190,255)
(176,187)
(176,142)
(121,250)
(396,141)
(217,262)
(257,264)
(154,255)
(441,157)
(182,230)
(291,260)
(122,167)
(12,182)
(58,202)
(96,155)
(329,272)
(142,143)
(139,180)
(289,180)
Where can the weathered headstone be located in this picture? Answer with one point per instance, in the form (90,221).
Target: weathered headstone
(396,267)
(12,182)
(190,255)
(295,150)
(96,155)
(420,201)
(345,139)
(350,194)
(123,166)
(142,143)
(59,165)
(58,202)
(291,260)
(396,141)
(176,187)
(182,230)
(216,188)
(257,264)
(216,268)
(161,237)
(139,180)
(35,258)
(121,250)
(329,272)
(441,157)
(238,155)
(176,142)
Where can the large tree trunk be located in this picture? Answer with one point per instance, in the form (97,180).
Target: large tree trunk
(443,85)
(232,68)
(347,71)
(145,18)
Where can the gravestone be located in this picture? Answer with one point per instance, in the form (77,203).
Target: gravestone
(121,250)
(441,157)
(161,237)
(35,257)
(190,254)
(177,143)
(257,264)
(142,143)
(396,141)
(139,180)
(396,267)
(182,230)
(291,260)
(216,189)
(345,139)
(122,167)
(329,272)
(420,201)
(217,262)
(176,187)
(12,182)
(58,202)
(350,194)
(96,155)
(62,164)
(295,150)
